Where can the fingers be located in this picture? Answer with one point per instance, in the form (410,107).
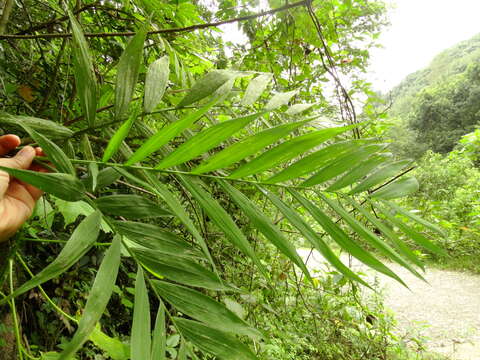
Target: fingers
(8,143)
(22,160)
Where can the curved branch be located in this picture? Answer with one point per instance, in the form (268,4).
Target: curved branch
(163,31)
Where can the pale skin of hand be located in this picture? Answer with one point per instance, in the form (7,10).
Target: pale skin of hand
(17,199)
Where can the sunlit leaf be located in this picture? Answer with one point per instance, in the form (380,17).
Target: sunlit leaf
(399,188)
(256,87)
(47,127)
(156,82)
(280,99)
(127,74)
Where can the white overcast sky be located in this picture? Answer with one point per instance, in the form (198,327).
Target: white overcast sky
(419,30)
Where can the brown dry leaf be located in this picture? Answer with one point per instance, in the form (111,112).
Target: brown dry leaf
(26,92)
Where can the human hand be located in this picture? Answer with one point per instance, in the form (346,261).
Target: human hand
(17,199)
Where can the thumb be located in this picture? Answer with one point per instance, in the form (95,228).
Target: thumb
(22,160)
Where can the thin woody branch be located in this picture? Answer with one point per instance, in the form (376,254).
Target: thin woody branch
(162,31)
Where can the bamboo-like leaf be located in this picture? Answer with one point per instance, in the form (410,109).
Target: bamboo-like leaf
(389,233)
(64,186)
(164,135)
(399,188)
(382,174)
(179,269)
(120,135)
(280,99)
(156,82)
(159,336)
(315,160)
(107,177)
(316,241)
(206,140)
(203,308)
(298,108)
(416,218)
(208,85)
(53,152)
(368,235)
(343,163)
(87,151)
(221,218)
(256,87)
(79,243)
(97,300)
(112,346)
(214,341)
(246,147)
(155,238)
(287,151)
(264,225)
(85,79)
(140,340)
(359,171)
(130,206)
(414,235)
(127,74)
(342,239)
(51,128)
(182,351)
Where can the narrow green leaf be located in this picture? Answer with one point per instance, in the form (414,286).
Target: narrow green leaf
(64,186)
(298,108)
(342,239)
(182,351)
(315,160)
(203,308)
(359,171)
(208,85)
(164,135)
(342,164)
(256,87)
(287,151)
(140,340)
(53,152)
(107,177)
(280,99)
(416,218)
(85,79)
(368,235)
(382,174)
(159,336)
(155,238)
(156,82)
(388,232)
(130,206)
(221,218)
(179,269)
(112,346)
(214,341)
(292,216)
(127,74)
(79,243)
(87,152)
(246,147)
(206,140)
(399,188)
(120,135)
(414,235)
(262,223)
(97,299)
(48,127)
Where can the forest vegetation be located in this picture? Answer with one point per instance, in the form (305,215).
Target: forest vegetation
(186,171)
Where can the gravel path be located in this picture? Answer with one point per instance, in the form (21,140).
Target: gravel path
(445,312)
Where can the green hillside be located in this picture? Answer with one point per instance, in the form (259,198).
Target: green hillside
(433,107)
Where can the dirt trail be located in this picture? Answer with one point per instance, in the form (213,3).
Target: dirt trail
(446,311)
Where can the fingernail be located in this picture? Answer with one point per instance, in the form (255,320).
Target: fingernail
(26,152)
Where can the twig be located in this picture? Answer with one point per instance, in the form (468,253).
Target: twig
(162,31)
